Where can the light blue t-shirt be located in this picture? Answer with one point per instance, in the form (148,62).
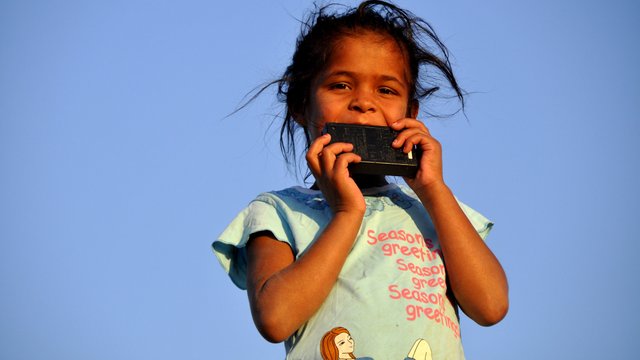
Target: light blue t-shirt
(392,289)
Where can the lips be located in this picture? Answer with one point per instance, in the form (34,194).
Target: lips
(363,120)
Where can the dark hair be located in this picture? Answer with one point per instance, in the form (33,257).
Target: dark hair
(323,28)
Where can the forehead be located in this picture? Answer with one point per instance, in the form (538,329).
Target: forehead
(371,53)
(342,336)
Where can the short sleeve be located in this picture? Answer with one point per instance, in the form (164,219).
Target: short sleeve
(480,223)
(230,247)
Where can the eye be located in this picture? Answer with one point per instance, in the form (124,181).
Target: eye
(339,86)
(387,91)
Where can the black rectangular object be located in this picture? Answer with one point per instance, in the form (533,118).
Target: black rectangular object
(373,144)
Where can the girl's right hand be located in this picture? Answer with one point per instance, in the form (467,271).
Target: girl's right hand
(329,165)
(284,290)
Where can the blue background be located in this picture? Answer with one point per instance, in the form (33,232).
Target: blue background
(119,168)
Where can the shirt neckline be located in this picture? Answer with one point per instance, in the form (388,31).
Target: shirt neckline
(366,192)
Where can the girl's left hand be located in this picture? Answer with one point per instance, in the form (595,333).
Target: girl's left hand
(414,132)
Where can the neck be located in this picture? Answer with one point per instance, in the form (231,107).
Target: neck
(369,181)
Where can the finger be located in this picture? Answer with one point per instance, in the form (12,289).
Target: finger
(340,168)
(420,140)
(314,152)
(401,141)
(339,147)
(343,161)
(409,123)
(331,152)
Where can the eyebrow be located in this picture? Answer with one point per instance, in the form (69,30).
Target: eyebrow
(354,74)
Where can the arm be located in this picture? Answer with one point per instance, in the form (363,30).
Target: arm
(284,292)
(475,275)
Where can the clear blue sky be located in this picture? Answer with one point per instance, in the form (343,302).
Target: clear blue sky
(118,169)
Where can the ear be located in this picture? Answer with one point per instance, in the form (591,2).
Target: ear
(414,109)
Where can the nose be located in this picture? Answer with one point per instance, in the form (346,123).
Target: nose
(362,102)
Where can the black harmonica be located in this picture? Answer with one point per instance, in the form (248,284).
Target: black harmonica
(373,145)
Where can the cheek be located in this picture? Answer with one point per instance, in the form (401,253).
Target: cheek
(314,120)
(403,111)
(315,123)
(395,110)
(325,108)
(314,129)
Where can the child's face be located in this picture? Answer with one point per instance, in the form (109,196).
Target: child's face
(366,81)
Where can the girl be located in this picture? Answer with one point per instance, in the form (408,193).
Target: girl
(390,263)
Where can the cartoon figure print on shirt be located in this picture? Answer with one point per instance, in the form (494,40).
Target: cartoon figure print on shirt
(337,344)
